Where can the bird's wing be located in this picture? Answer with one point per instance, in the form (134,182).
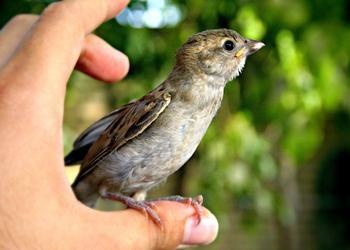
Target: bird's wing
(130,121)
(85,140)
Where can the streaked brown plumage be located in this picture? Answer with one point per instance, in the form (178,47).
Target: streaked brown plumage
(139,145)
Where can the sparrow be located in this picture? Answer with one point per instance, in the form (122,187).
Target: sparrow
(136,147)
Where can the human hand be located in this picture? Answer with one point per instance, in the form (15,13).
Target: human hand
(37,206)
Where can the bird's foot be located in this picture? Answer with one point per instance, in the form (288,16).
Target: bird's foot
(146,207)
(195,202)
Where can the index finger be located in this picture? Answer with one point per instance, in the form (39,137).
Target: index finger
(50,51)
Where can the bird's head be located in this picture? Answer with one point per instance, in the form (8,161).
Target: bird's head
(220,52)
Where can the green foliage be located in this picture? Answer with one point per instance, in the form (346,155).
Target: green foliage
(275,116)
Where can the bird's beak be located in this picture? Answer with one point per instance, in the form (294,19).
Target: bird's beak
(250,47)
(254,46)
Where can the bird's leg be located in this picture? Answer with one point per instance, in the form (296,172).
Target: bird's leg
(140,195)
(140,205)
(195,202)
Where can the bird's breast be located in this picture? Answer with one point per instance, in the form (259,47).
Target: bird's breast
(185,125)
(163,147)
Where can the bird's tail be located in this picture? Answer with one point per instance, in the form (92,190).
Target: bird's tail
(86,193)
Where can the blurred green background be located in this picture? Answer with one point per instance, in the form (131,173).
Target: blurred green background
(274,164)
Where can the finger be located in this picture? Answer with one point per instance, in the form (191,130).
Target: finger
(97,58)
(101,61)
(13,33)
(56,40)
(179,227)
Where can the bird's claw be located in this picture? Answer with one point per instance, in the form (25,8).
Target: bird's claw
(146,207)
(195,202)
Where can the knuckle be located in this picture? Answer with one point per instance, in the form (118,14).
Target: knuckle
(24,18)
(168,237)
(55,9)
(61,12)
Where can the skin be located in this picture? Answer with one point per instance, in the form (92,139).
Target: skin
(37,56)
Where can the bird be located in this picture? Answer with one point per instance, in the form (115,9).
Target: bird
(137,146)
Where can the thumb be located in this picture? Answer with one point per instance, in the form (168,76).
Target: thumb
(179,228)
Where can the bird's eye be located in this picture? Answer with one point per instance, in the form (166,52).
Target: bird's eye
(229,45)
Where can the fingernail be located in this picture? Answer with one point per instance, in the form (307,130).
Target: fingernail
(200,234)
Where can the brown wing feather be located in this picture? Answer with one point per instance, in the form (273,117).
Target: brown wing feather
(89,136)
(132,120)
